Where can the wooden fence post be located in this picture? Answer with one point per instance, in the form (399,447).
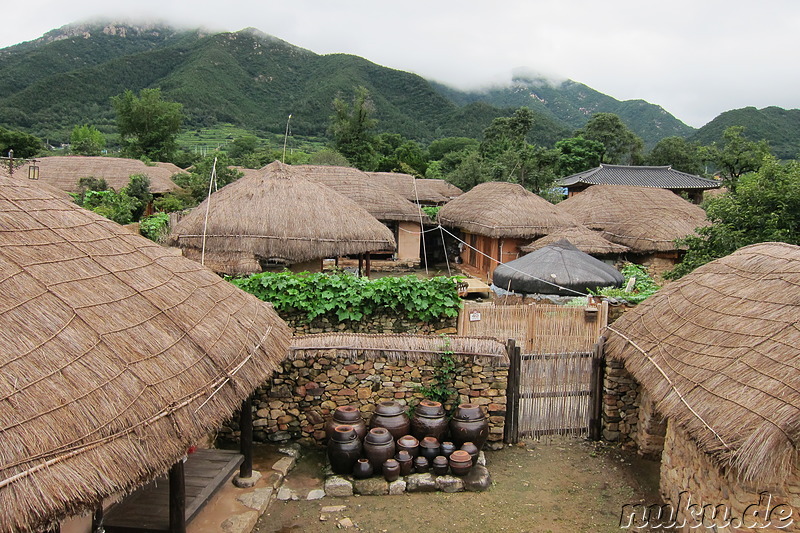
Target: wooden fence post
(596,391)
(246,438)
(511,428)
(177,498)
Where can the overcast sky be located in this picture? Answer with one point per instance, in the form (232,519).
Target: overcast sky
(695,58)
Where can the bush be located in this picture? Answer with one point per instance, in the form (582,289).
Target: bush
(154,227)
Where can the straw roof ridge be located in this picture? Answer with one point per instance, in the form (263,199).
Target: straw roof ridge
(63,172)
(717,352)
(400,347)
(277,214)
(583,238)
(373,195)
(501,209)
(645,219)
(116,355)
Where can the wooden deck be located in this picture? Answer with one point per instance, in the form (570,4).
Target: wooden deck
(147,509)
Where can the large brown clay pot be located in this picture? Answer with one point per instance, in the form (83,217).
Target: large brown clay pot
(391,415)
(469,424)
(429,420)
(409,444)
(472,450)
(344,449)
(378,447)
(391,470)
(346,415)
(429,448)
(460,463)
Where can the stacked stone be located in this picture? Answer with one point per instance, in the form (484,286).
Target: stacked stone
(620,404)
(302,396)
(376,323)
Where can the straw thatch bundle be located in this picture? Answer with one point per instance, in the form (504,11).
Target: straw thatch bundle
(277,215)
(64,172)
(399,347)
(379,200)
(116,355)
(645,219)
(586,240)
(500,209)
(718,353)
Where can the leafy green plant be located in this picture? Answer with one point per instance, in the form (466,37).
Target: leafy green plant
(154,227)
(441,387)
(431,210)
(348,297)
(643,288)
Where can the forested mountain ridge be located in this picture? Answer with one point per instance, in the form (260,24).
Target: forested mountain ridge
(779,127)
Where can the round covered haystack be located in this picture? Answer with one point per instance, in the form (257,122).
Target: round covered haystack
(644,219)
(559,268)
(116,356)
(717,351)
(64,172)
(380,201)
(500,209)
(277,215)
(586,240)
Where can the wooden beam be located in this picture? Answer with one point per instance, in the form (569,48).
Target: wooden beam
(511,427)
(177,499)
(596,391)
(246,438)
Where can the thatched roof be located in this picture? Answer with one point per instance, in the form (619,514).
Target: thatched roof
(116,355)
(584,239)
(399,347)
(382,202)
(278,215)
(645,219)
(64,172)
(558,268)
(500,209)
(718,353)
(421,191)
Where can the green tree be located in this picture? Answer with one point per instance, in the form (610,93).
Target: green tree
(737,156)
(764,207)
(148,125)
(196,181)
(396,153)
(87,184)
(622,146)
(678,153)
(23,144)
(118,207)
(86,140)
(351,127)
(439,148)
(243,148)
(139,188)
(577,154)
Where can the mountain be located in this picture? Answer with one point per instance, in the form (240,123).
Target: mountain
(255,81)
(780,127)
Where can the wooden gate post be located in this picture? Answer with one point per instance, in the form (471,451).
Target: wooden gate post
(177,498)
(596,391)
(511,428)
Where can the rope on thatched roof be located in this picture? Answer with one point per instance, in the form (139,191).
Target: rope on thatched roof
(400,347)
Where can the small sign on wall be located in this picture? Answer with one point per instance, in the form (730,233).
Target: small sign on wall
(474,316)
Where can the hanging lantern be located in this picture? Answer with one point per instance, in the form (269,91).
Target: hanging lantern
(33,170)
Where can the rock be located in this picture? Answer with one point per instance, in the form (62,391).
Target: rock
(449,484)
(420,483)
(337,486)
(247,482)
(345,523)
(371,486)
(240,523)
(315,494)
(279,436)
(333,508)
(258,499)
(397,487)
(292,450)
(478,479)
(284,465)
(285,494)
(481,459)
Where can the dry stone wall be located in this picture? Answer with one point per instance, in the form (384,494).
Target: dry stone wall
(376,323)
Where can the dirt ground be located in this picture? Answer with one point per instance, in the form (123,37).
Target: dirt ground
(568,485)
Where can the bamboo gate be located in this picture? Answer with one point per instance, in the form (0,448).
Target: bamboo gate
(555,375)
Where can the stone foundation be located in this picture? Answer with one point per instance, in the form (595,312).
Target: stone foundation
(620,405)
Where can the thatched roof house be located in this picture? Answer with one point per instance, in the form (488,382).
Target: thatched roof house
(277,216)
(64,172)
(584,239)
(496,219)
(717,353)
(117,355)
(419,191)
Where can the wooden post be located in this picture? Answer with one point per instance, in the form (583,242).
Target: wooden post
(246,439)
(177,499)
(360,265)
(596,390)
(369,266)
(511,428)
(97,518)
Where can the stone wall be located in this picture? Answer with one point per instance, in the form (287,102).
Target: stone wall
(620,404)
(376,323)
(688,472)
(300,398)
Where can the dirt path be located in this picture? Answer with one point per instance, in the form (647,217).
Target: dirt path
(566,486)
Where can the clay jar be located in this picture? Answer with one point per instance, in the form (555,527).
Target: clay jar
(362,469)
(344,449)
(409,444)
(429,448)
(460,463)
(440,465)
(447,448)
(378,447)
(391,415)
(346,415)
(406,462)
(469,424)
(391,470)
(421,465)
(429,420)
(472,450)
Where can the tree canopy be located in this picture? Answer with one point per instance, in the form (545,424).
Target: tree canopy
(86,140)
(622,146)
(737,156)
(352,127)
(148,124)
(23,144)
